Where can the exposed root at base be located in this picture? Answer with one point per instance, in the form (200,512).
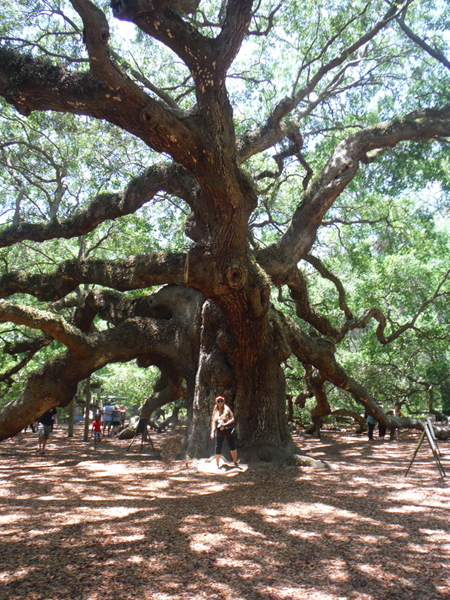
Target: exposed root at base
(270,456)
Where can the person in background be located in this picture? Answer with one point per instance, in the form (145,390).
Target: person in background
(107,418)
(397,413)
(55,421)
(97,430)
(371,422)
(115,421)
(33,428)
(381,427)
(123,414)
(44,428)
(222,426)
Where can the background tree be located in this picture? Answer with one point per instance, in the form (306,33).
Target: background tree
(281,136)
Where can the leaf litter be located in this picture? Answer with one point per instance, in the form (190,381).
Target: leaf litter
(124,524)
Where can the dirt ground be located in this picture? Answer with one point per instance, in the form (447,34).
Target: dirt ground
(119,524)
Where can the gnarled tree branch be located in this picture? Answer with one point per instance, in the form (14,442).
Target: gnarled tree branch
(137,272)
(55,325)
(272,131)
(169,342)
(279,258)
(172,179)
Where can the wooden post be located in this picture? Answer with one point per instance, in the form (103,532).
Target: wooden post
(71,417)
(88,410)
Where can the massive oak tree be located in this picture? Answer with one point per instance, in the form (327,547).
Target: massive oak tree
(231,106)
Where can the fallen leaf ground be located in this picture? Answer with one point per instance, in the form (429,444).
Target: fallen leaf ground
(118,524)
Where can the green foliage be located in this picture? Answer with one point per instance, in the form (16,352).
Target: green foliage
(126,384)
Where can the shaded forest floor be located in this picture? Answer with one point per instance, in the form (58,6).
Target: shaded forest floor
(114,524)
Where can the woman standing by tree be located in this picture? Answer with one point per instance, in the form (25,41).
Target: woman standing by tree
(222,426)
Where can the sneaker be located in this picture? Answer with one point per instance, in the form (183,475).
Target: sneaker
(235,464)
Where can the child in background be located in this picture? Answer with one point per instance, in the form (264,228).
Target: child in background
(97,429)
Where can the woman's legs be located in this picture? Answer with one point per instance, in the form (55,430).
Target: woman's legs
(219,442)
(232,447)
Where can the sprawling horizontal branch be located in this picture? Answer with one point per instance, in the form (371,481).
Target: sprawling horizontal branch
(137,272)
(55,325)
(299,292)
(361,395)
(377,314)
(28,346)
(279,258)
(115,307)
(169,178)
(319,352)
(169,340)
(345,412)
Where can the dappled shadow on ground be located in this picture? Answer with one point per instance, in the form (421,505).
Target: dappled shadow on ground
(114,524)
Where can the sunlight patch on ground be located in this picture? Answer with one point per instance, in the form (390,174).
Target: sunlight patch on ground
(86,514)
(290,593)
(405,508)
(106,468)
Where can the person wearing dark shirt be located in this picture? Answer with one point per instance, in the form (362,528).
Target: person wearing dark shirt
(45,423)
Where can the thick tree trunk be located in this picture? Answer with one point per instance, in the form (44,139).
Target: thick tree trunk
(260,411)
(214,377)
(254,388)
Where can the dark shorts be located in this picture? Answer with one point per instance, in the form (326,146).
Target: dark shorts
(219,443)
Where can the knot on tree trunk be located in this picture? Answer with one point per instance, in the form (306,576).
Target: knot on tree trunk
(103,34)
(236,275)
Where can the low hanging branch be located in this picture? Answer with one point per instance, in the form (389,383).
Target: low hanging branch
(77,342)
(320,353)
(165,340)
